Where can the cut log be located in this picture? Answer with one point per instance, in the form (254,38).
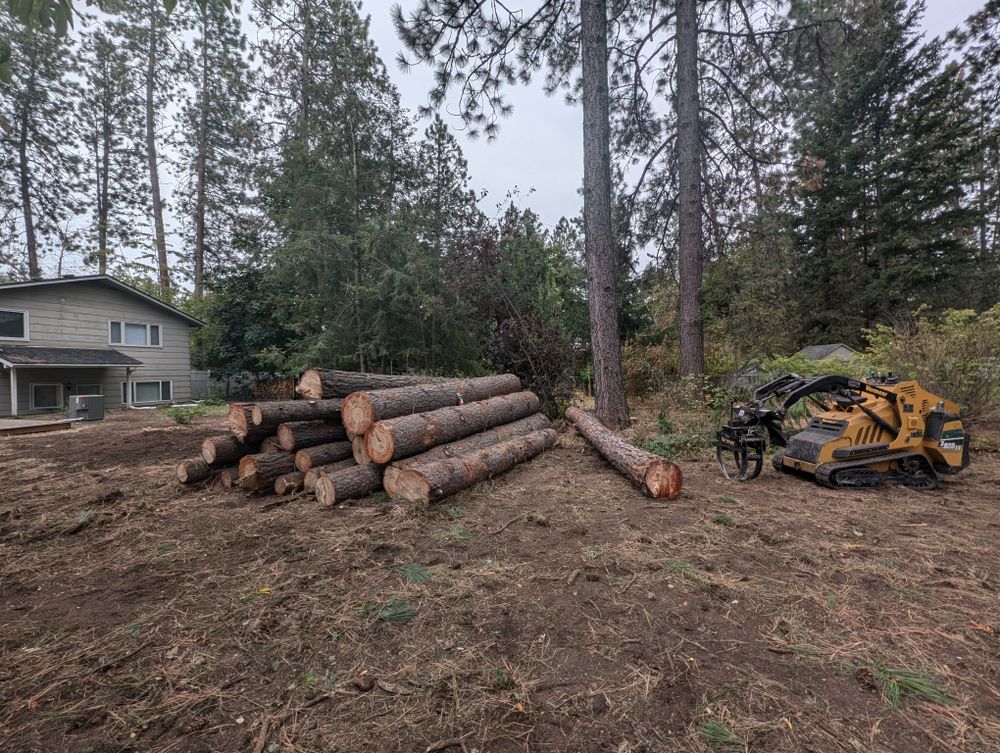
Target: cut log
(429,482)
(321,454)
(401,437)
(258,472)
(350,483)
(359,452)
(288,483)
(193,469)
(475,442)
(657,477)
(314,474)
(229,477)
(269,446)
(281,411)
(323,384)
(241,424)
(225,449)
(362,409)
(298,434)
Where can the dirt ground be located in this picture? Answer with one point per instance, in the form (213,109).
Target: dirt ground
(552,609)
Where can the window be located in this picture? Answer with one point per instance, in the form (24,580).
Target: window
(46,396)
(13,324)
(149,392)
(89,389)
(134,333)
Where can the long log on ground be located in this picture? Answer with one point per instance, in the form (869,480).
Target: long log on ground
(241,424)
(193,469)
(281,411)
(314,474)
(657,477)
(321,454)
(479,441)
(225,449)
(429,482)
(350,483)
(401,437)
(359,451)
(362,409)
(298,434)
(258,472)
(288,483)
(323,384)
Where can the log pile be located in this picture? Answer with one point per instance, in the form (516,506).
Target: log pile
(417,438)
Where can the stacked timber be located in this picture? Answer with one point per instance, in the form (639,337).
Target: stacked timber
(418,438)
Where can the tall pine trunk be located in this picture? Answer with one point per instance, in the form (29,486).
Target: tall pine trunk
(201,159)
(24,176)
(154,170)
(602,266)
(102,159)
(689,231)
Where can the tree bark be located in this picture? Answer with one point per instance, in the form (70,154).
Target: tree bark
(200,163)
(322,384)
(429,482)
(288,483)
(602,261)
(271,414)
(224,449)
(24,176)
(258,472)
(689,228)
(313,475)
(321,454)
(350,483)
(269,445)
(407,435)
(154,170)
(362,409)
(241,424)
(193,469)
(295,435)
(465,446)
(657,477)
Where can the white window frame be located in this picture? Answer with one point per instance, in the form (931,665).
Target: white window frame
(27,324)
(148,325)
(160,382)
(78,391)
(31,396)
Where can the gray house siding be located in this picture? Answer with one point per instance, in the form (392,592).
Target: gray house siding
(77,315)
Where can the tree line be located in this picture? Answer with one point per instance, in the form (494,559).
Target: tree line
(797,171)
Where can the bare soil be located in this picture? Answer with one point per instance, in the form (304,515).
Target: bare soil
(553,609)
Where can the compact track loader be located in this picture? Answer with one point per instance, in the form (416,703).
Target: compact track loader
(866,434)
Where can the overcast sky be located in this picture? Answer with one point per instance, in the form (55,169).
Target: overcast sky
(540,145)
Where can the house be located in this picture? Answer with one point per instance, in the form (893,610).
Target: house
(89,335)
(827,352)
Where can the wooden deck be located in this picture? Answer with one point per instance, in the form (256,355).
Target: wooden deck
(10,427)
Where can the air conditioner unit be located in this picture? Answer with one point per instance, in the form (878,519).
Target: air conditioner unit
(87,407)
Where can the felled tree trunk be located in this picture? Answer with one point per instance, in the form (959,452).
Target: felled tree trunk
(229,477)
(287,483)
(258,472)
(429,482)
(241,424)
(407,435)
(657,477)
(321,454)
(193,469)
(479,441)
(224,449)
(271,414)
(269,446)
(362,409)
(359,481)
(314,474)
(298,434)
(323,384)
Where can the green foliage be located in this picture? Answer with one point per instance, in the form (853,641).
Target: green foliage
(395,611)
(722,519)
(955,354)
(897,683)
(715,732)
(414,573)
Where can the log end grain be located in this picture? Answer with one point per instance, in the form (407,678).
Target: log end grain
(193,469)
(289,483)
(239,420)
(357,414)
(411,486)
(379,442)
(257,415)
(359,451)
(663,480)
(326,491)
(311,385)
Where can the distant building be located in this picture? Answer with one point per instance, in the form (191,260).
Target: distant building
(827,352)
(89,335)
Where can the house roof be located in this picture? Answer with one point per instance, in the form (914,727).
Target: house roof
(33,355)
(819,352)
(107,281)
